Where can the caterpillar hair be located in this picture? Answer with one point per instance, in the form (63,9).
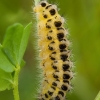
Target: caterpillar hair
(54,52)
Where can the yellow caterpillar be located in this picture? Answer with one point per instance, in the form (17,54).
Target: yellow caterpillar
(54,52)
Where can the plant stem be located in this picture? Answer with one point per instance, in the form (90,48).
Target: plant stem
(15,86)
(98,96)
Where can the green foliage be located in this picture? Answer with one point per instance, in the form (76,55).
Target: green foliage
(11,55)
(6,80)
(5,64)
(12,43)
(15,42)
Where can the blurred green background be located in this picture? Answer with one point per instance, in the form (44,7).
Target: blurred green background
(83,22)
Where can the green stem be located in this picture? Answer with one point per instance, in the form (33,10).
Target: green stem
(15,90)
(98,96)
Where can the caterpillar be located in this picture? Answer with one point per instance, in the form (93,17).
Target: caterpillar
(54,52)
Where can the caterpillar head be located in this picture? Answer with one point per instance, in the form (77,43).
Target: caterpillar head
(50,11)
(45,10)
(40,7)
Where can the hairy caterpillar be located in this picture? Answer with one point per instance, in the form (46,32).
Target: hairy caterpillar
(54,52)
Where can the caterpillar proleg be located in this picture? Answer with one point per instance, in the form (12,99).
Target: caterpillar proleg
(54,52)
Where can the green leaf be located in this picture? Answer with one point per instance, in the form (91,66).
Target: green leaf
(22,63)
(11,43)
(15,42)
(24,41)
(6,80)
(5,63)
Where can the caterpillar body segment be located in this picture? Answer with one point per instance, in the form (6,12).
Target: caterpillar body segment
(54,52)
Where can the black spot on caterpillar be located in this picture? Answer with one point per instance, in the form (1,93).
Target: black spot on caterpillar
(66,81)
(45,16)
(55,67)
(52,12)
(50,48)
(48,26)
(57,98)
(48,6)
(54,84)
(55,76)
(42,99)
(63,87)
(64,57)
(50,93)
(49,20)
(63,50)
(43,4)
(62,46)
(60,92)
(65,67)
(52,58)
(54,53)
(60,36)
(50,31)
(49,37)
(57,23)
(46,95)
(53,87)
(66,76)
(60,28)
